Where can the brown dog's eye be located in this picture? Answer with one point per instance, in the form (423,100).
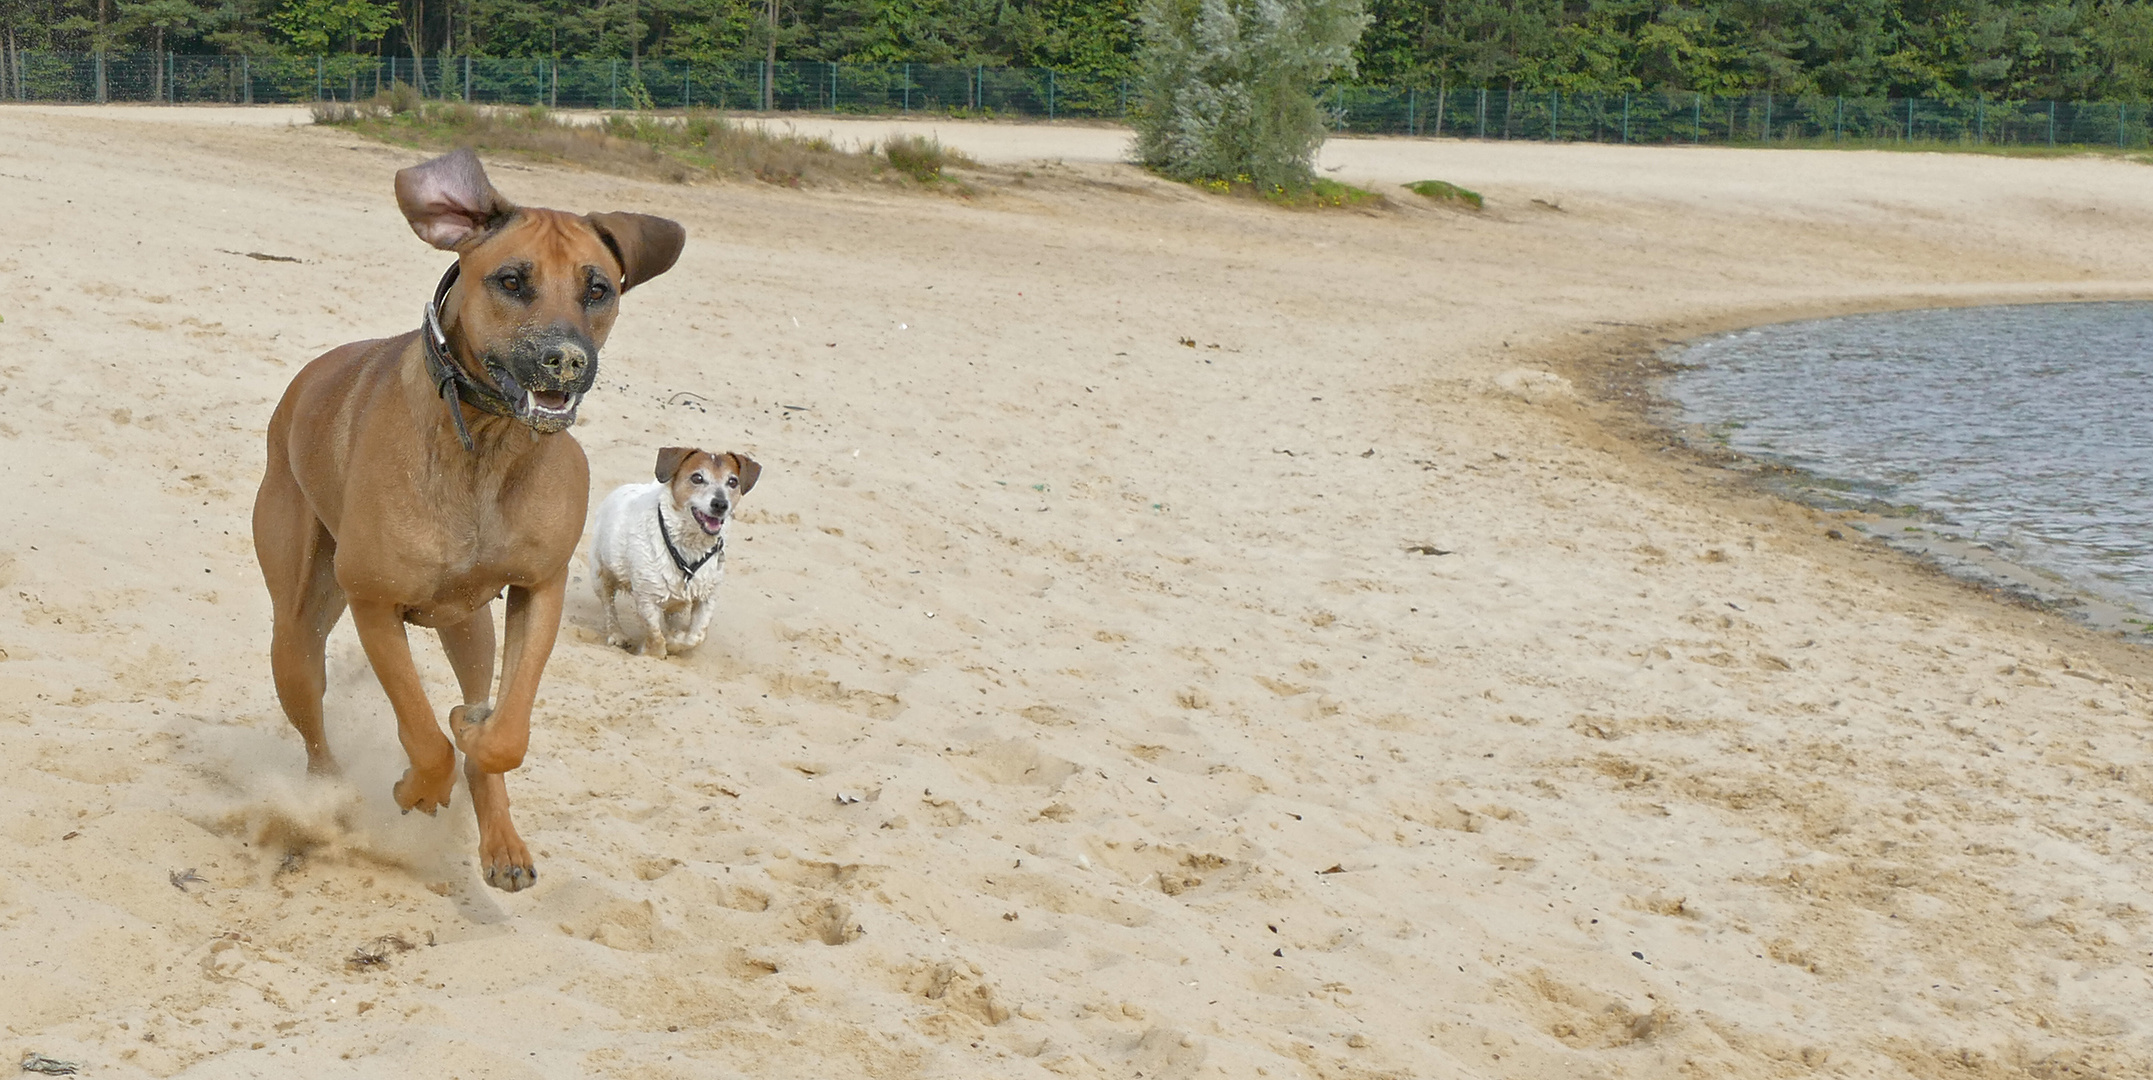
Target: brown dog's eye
(511,283)
(698,480)
(598,292)
(732,481)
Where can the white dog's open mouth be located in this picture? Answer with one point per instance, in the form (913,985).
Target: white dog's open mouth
(710,524)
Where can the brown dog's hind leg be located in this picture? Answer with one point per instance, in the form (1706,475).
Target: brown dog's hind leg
(494,740)
(298,560)
(469,645)
(502,857)
(432,776)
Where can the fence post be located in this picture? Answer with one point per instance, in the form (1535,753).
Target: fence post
(99,66)
(246,80)
(908,87)
(1767,116)
(467,78)
(1124,98)
(1909,119)
(833,86)
(1625,116)
(2051,124)
(1554,116)
(1050,93)
(613,84)
(1483,112)
(1696,118)
(2119,125)
(1981,123)
(1839,120)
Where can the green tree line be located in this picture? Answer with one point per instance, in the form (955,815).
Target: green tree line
(2003,49)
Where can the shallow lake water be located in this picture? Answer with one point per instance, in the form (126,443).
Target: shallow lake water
(2025,428)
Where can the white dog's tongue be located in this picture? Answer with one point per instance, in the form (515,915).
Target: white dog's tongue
(709,524)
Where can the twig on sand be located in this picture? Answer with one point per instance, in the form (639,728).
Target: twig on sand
(260,256)
(376,953)
(39,1063)
(181,878)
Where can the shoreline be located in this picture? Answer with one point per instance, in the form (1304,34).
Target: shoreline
(1626,381)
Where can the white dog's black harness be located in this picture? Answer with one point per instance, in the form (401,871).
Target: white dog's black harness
(687,569)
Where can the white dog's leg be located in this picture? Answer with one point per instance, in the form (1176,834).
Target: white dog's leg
(608,592)
(653,635)
(699,614)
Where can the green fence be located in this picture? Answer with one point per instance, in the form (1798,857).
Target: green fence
(1683,117)
(1672,117)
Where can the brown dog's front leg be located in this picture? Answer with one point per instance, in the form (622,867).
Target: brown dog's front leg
(432,776)
(494,741)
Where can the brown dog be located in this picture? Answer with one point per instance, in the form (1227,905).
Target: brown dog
(416,477)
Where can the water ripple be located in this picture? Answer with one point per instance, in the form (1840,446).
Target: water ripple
(2028,428)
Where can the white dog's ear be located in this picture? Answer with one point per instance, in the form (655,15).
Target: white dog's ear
(748,470)
(449,201)
(669,460)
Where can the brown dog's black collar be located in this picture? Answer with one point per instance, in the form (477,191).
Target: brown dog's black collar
(452,382)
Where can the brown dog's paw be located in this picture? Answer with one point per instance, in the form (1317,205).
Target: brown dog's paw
(466,721)
(428,794)
(507,865)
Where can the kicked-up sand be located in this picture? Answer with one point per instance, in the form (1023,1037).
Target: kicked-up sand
(1173,637)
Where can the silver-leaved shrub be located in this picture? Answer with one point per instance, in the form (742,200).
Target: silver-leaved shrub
(1228,88)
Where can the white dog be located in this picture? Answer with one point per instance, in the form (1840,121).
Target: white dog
(664,545)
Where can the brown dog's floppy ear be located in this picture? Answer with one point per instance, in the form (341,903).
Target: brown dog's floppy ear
(646,246)
(748,470)
(669,460)
(448,200)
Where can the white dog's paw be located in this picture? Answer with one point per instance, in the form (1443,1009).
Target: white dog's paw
(618,640)
(653,647)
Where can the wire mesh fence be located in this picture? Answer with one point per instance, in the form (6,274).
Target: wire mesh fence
(875,89)
(1685,117)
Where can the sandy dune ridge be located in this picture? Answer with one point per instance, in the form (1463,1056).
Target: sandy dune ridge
(1344,696)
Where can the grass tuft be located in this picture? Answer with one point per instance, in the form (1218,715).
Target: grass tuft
(921,158)
(1319,194)
(677,147)
(1445,191)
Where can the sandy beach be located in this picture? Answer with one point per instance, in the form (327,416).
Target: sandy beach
(1172,637)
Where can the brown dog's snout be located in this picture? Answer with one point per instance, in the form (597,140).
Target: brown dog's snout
(564,361)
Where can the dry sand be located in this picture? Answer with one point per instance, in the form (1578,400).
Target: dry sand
(1173,759)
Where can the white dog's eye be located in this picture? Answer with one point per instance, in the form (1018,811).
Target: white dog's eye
(697,480)
(732,481)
